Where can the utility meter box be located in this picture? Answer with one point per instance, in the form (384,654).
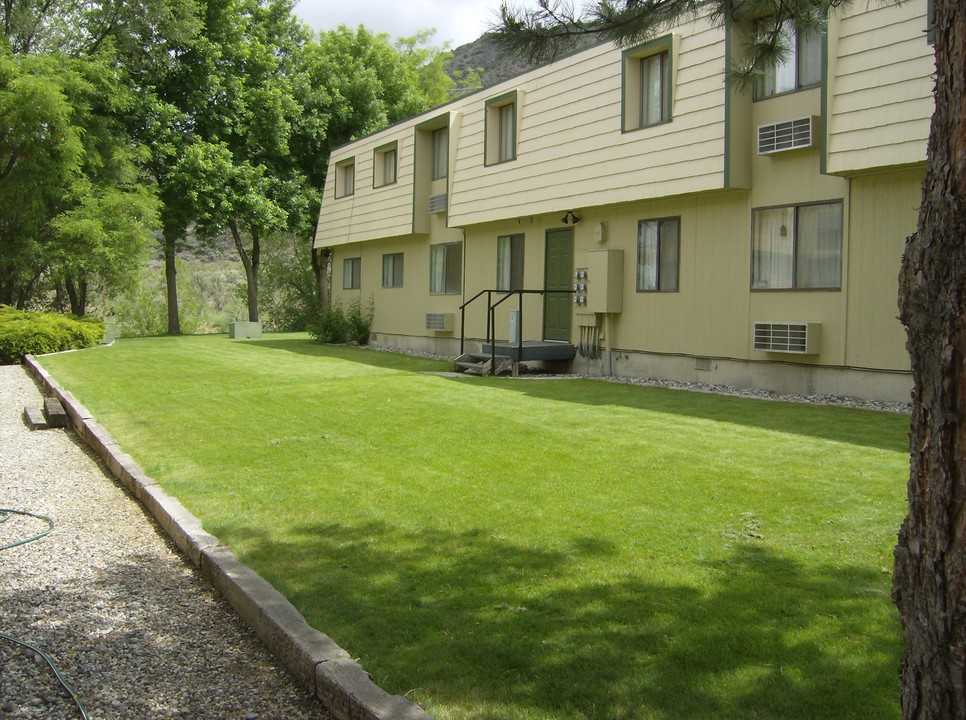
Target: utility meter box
(605,281)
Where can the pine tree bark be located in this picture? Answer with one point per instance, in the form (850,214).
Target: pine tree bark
(929,584)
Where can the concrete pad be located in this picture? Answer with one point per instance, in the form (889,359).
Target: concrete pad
(245,330)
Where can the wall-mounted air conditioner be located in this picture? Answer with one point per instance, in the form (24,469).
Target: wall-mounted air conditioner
(798,338)
(437,203)
(789,135)
(440,322)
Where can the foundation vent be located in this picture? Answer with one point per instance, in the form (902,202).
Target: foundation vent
(440,322)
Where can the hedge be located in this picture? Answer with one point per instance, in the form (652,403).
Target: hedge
(40,333)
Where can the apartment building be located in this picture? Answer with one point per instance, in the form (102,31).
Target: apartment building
(641,215)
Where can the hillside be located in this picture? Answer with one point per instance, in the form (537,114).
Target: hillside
(496,64)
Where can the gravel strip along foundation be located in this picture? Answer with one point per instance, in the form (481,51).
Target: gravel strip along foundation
(131,626)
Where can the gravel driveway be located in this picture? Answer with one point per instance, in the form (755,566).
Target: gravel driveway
(130,625)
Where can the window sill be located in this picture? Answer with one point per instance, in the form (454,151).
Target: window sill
(785,93)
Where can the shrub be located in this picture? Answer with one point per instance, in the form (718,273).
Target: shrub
(41,333)
(335,325)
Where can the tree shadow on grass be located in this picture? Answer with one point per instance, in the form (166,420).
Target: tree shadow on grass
(353,353)
(499,630)
(868,428)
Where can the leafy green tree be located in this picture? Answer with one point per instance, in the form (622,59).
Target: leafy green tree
(929,583)
(351,83)
(138,30)
(73,204)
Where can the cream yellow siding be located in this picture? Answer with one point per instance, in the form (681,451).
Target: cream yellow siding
(884,213)
(370,212)
(571,151)
(879,88)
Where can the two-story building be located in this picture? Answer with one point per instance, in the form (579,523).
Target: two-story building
(671,224)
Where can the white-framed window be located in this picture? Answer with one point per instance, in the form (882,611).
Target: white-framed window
(440,153)
(647,85)
(392,270)
(445,268)
(384,160)
(658,254)
(801,67)
(352,273)
(501,132)
(797,247)
(345,178)
(509,262)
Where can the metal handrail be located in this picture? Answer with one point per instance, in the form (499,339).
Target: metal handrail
(491,321)
(488,294)
(491,317)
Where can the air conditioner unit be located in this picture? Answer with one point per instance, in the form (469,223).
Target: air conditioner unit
(797,338)
(437,203)
(440,322)
(789,135)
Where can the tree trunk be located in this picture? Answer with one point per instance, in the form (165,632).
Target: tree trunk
(320,268)
(171,283)
(250,261)
(77,294)
(929,584)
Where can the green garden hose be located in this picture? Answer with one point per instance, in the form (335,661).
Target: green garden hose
(5,514)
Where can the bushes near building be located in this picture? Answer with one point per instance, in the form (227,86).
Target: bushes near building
(335,325)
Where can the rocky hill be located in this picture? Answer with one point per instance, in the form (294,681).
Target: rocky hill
(494,63)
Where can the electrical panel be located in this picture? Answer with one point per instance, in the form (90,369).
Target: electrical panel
(604,281)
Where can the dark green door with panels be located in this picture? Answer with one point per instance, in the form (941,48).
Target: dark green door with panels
(559,279)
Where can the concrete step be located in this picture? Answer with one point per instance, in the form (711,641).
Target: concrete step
(34,418)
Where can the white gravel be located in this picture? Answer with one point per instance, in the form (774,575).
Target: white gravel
(131,626)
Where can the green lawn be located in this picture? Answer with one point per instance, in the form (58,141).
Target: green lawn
(499,548)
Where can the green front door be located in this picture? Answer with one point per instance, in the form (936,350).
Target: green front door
(559,280)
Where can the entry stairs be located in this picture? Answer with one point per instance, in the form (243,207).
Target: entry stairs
(483,364)
(503,357)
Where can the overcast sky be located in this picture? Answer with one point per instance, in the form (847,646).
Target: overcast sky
(456,21)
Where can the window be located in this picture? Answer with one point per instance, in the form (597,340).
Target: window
(654,101)
(509,262)
(445,268)
(508,145)
(501,129)
(392,270)
(658,255)
(440,153)
(801,68)
(345,178)
(352,273)
(384,165)
(798,246)
(647,84)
